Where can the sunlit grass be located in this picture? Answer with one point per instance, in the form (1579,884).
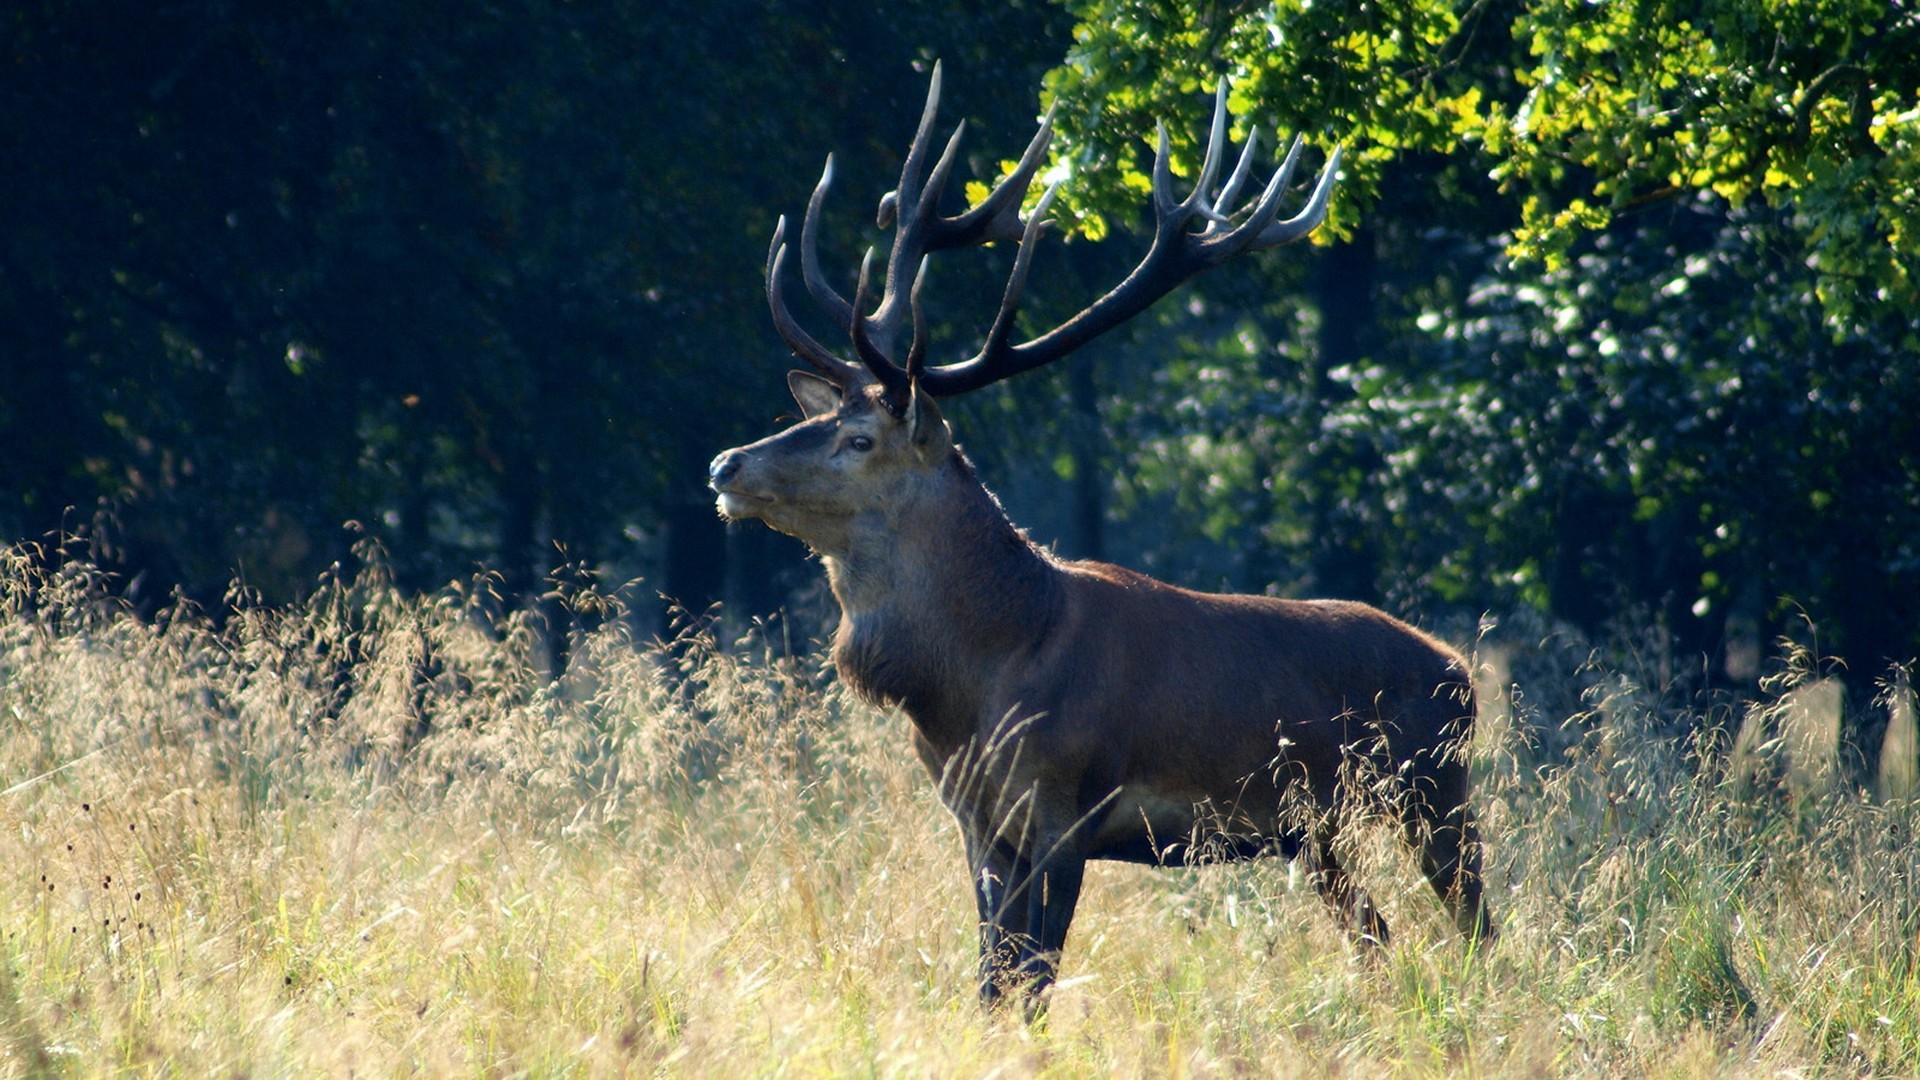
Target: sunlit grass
(368,836)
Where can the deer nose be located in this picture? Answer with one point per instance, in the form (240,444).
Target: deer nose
(725,467)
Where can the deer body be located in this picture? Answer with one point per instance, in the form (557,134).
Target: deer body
(1078,710)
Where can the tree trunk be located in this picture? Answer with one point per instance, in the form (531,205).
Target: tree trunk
(1089,523)
(1345,559)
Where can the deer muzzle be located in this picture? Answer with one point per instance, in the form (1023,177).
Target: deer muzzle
(723,476)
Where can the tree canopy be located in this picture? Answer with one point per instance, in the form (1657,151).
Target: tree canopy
(1640,342)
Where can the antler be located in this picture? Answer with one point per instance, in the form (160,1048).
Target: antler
(1178,252)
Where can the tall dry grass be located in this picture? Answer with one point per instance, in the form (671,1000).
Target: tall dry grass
(369,835)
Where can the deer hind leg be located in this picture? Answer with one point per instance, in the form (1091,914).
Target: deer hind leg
(1351,905)
(1448,842)
(1450,858)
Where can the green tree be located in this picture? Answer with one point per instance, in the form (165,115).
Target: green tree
(1638,343)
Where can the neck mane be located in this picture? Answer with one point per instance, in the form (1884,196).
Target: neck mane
(933,590)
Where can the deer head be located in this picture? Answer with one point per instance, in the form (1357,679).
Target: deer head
(852,456)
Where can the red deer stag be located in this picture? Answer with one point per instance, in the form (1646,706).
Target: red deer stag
(1077,710)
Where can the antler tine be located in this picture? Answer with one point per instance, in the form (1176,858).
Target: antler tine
(802,343)
(923,135)
(1244,237)
(997,217)
(1017,280)
(917,352)
(1210,163)
(1310,216)
(822,292)
(882,367)
(942,169)
(907,208)
(1164,204)
(1230,193)
(909,189)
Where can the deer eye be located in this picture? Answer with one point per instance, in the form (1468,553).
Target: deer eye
(862,443)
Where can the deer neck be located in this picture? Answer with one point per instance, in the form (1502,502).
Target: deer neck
(932,592)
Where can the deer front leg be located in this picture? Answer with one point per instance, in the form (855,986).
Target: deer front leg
(996,868)
(1350,904)
(1053,891)
(1050,865)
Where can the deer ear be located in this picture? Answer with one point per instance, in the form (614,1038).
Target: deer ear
(926,429)
(817,396)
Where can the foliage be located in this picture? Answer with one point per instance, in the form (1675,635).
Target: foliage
(369,835)
(1583,112)
(1643,283)
(1804,105)
(1384,80)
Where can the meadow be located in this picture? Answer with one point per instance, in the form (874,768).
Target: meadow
(370,835)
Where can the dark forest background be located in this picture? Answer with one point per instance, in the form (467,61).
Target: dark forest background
(482,283)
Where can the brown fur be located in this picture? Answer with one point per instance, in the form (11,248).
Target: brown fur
(1079,710)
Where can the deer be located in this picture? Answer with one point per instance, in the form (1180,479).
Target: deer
(1074,710)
